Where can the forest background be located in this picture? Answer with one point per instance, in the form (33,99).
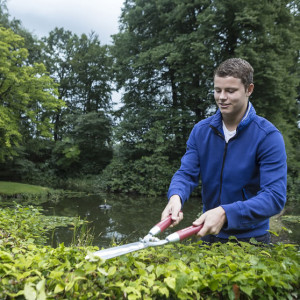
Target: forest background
(58,127)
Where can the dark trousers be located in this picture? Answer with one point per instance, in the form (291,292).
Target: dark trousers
(210,239)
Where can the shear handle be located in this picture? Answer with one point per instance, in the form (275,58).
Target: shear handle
(189,231)
(183,233)
(161,226)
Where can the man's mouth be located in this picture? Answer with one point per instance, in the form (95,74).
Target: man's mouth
(224,105)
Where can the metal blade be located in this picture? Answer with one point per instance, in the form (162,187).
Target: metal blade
(120,250)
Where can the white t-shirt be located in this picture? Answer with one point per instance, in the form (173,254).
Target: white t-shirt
(228,134)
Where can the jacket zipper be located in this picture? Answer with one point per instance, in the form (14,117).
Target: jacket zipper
(221,176)
(223,162)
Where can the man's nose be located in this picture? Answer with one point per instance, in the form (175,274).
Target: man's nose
(223,95)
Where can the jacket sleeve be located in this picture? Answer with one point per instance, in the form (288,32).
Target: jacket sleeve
(187,177)
(271,198)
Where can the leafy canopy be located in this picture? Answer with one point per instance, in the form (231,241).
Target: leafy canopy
(27,95)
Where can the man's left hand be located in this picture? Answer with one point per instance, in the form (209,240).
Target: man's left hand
(213,220)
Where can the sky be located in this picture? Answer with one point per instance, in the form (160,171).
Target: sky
(78,16)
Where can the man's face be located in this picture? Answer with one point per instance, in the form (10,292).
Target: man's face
(231,96)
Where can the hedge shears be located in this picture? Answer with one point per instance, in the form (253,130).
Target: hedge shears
(150,240)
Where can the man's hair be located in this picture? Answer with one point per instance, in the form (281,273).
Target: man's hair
(238,68)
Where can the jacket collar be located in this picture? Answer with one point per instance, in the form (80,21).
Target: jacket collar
(216,120)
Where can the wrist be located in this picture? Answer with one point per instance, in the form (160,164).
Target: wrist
(223,214)
(176,200)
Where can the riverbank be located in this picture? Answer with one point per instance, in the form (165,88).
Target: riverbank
(14,188)
(26,193)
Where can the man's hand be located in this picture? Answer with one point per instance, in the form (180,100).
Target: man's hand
(174,208)
(212,220)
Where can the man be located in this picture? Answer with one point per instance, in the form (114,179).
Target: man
(241,160)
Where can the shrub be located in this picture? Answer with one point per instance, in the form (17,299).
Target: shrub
(176,271)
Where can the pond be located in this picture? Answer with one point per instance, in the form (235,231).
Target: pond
(125,219)
(117,218)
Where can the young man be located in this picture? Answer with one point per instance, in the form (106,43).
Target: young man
(241,160)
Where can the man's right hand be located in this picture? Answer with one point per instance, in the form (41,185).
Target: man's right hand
(173,208)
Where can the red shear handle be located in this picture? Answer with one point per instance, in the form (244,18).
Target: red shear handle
(164,224)
(187,232)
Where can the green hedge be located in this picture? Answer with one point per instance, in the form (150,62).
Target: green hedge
(29,270)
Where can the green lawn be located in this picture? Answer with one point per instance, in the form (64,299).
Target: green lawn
(12,188)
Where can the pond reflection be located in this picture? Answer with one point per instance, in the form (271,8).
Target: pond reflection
(126,219)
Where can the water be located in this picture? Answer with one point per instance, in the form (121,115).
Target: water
(129,218)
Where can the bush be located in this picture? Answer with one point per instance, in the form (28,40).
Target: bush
(145,176)
(176,271)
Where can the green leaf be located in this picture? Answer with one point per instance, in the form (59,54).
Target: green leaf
(29,291)
(274,233)
(247,290)
(111,271)
(232,267)
(40,288)
(150,268)
(69,285)
(58,288)
(4,256)
(102,271)
(286,229)
(171,282)
(160,270)
(266,253)
(181,281)
(213,285)
(163,290)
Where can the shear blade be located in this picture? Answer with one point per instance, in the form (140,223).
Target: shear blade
(120,250)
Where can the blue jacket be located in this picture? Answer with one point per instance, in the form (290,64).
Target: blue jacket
(246,176)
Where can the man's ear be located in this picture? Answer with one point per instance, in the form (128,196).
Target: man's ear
(250,89)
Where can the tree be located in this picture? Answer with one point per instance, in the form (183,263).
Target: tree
(153,64)
(57,55)
(27,95)
(31,43)
(91,66)
(86,149)
(266,33)
(166,52)
(82,69)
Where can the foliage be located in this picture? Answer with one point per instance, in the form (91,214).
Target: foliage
(163,59)
(92,135)
(81,67)
(137,177)
(145,167)
(27,95)
(292,219)
(21,225)
(82,185)
(86,147)
(166,52)
(177,271)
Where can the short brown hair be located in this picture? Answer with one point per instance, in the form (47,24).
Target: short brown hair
(238,68)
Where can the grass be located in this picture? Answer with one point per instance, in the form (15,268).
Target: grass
(13,188)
